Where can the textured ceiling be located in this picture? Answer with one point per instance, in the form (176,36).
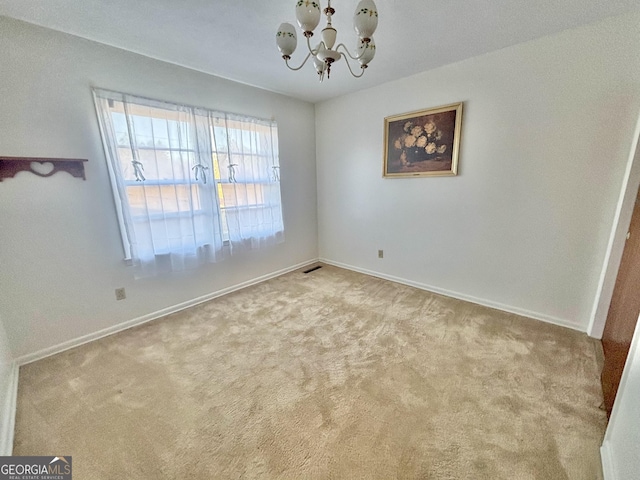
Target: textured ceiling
(235,39)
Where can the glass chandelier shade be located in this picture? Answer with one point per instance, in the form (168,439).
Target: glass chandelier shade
(287,39)
(365,20)
(325,53)
(308,15)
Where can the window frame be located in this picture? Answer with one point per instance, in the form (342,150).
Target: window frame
(117,180)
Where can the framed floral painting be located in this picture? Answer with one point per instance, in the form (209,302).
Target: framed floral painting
(423,143)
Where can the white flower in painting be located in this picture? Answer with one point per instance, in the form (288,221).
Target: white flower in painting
(410,141)
(430,127)
(416,131)
(438,134)
(398,143)
(408,126)
(442,148)
(421,142)
(431,148)
(403,158)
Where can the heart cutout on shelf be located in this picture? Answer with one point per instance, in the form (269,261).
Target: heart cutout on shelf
(42,168)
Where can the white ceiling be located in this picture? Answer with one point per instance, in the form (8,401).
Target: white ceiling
(235,39)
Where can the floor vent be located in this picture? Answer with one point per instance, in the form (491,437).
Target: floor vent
(313,269)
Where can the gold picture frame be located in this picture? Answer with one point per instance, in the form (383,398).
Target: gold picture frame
(424,143)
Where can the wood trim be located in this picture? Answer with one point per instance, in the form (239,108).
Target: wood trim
(623,312)
(10,166)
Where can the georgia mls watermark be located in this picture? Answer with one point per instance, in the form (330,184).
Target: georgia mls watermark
(35,468)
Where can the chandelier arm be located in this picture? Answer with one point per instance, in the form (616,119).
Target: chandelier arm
(301,65)
(357,57)
(325,54)
(311,50)
(346,60)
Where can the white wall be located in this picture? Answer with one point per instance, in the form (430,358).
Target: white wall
(8,390)
(60,249)
(621,445)
(547,129)
(617,239)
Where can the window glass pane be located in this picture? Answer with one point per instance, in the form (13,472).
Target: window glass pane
(165,165)
(142,130)
(125,158)
(120,129)
(178,134)
(160,133)
(217,170)
(170,205)
(150,160)
(219,135)
(180,166)
(242,195)
(162,199)
(252,168)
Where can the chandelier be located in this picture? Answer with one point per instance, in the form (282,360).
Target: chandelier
(365,21)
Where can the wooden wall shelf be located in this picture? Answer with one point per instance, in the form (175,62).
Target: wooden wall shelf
(9,166)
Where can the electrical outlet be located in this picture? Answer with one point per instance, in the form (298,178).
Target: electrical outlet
(120,294)
(380,254)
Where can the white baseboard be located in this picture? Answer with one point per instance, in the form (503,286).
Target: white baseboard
(76,342)
(32,357)
(8,413)
(608,469)
(461,296)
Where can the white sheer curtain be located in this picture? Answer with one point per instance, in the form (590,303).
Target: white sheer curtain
(160,159)
(247,154)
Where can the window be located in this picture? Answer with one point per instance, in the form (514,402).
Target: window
(191,185)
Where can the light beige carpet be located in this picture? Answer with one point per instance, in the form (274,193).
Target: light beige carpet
(330,375)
